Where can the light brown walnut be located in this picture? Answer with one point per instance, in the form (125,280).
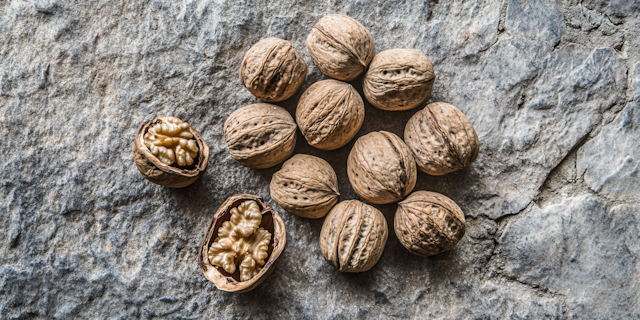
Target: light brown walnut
(441,138)
(273,70)
(170,152)
(306,186)
(428,223)
(243,243)
(353,236)
(260,135)
(381,168)
(340,47)
(329,114)
(398,79)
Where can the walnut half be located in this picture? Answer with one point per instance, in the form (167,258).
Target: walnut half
(243,243)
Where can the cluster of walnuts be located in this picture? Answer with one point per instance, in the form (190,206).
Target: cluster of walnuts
(246,238)
(382,167)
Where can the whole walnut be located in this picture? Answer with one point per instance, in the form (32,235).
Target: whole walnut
(381,168)
(428,223)
(329,114)
(260,135)
(353,236)
(398,79)
(306,186)
(441,138)
(170,152)
(340,47)
(273,70)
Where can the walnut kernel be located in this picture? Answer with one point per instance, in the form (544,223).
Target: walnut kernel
(340,47)
(398,79)
(353,236)
(381,168)
(441,138)
(428,223)
(329,114)
(170,140)
(273,70)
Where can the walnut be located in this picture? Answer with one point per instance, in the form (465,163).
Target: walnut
(273,70)
(340,47)
(260,135)
(428,223)
(381,168)
(441,138)
(170,152)
(306,186)
(329,114)
(243,244)
(398,79)
(353,236)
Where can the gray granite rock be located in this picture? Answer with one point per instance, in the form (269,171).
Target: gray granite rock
(552,88)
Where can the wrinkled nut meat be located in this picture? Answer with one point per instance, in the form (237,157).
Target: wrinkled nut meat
(243,244)
(329,114)
(306,186)
(381,168)
(441,138)
(170,152)
(273,70)
(428,223)
(260,135)
(340,47)
(398,79)
(353,236)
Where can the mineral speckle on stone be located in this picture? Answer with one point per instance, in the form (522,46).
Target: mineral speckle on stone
(551,202)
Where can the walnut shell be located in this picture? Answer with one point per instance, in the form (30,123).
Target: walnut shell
(340,47)
(156,171)
(381,168)
(353,236)
(260,135)
(329,114)
(306,186)
(398,79)
(271,221)
(273,70)
(441,138)
(427,223)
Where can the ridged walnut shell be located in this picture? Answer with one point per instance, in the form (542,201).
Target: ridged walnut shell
(381,168)
(273,70)
(398,79)
(306,186)
(172,176)
(260,135)
(340,47)
(271,221)
(441,138)
(353,236)
(428,223)
(329,114)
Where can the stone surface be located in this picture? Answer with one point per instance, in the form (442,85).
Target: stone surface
(552,202)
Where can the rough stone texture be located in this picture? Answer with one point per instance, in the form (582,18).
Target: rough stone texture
(552,88)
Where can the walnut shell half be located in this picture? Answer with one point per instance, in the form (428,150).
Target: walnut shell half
(398,79)
(428,223)
(381,168)
(353,236)
(306,186)
(260,135)
(441,138)
(340,47)
(271,222)
(273,70)
(156,171)
(329,114)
